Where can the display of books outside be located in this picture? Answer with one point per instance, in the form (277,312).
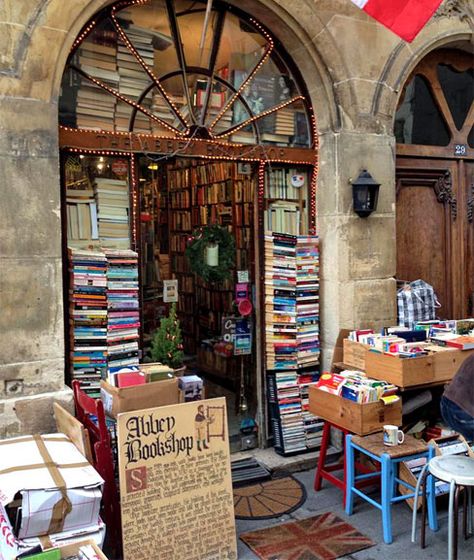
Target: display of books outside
(409,471)
(292,338)
(430,353)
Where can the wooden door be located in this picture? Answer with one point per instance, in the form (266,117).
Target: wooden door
(432,241)
(434,126)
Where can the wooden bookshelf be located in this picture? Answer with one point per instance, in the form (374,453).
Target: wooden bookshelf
(200,194)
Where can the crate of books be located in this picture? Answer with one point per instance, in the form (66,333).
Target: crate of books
(355,402)
(434,367)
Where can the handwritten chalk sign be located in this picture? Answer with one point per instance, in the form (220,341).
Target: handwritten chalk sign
(175,482)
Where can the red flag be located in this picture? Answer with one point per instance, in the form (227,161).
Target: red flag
(406,18)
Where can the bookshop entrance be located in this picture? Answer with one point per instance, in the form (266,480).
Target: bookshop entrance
(189,180)
(183,200)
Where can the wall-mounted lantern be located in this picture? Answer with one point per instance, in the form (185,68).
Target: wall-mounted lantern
(365,193)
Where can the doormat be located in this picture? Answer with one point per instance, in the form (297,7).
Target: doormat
(248,471)
(268,499)
(323,537)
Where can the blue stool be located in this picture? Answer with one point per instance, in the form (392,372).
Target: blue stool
(388,457)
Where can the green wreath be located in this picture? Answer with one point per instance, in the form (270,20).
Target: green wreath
(196,253)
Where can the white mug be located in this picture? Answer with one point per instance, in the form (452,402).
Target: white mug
(392,435)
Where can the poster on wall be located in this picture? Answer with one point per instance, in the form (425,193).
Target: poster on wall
(170,291)
(175,482)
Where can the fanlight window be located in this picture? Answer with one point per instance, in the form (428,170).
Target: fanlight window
(437,105)
(178,68)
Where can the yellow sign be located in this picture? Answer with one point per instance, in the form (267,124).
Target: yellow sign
(175,483)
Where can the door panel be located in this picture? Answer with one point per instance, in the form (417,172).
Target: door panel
(420,221)
(435,240)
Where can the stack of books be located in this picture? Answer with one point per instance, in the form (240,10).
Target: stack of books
(88,316)
(133,79)
(82,232)
(113,213)
(95,106)
(161,109)
(285,122)
(280,301)
(123,315)
(307,300)
(292,338)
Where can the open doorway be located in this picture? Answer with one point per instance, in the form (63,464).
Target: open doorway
(182,199)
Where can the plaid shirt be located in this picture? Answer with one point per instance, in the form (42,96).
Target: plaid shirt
(416,302)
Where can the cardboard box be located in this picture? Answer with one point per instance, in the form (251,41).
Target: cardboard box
(71,549)
(139,397)
(11,547)
(59,489)
(354,354)
(360,419)
(408,372)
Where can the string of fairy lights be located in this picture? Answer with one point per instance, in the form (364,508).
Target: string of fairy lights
(257,153)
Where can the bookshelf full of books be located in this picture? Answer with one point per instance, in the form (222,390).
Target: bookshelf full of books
(88,318)
(291,289)
(97,203)
(200,194)
(286,191)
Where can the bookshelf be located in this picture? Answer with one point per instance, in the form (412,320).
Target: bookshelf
(200,194)
(285,203)
(97,203)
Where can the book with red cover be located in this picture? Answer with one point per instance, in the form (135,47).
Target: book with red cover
(462,342)
(129,379)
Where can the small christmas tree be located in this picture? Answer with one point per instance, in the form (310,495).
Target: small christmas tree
(167,345)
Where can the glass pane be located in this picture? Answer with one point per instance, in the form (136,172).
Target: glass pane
(148,26)
(240,49)
(191,25)
(458,88)
(418,119)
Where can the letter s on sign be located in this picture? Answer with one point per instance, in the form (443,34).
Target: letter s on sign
(136,479)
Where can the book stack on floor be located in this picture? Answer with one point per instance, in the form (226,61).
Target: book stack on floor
(113,212)
(123,314)
(88,315)
(307,300)
(292,338)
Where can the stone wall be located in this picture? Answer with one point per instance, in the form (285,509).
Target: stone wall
(354,70)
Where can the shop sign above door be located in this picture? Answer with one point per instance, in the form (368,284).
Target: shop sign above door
(92,140)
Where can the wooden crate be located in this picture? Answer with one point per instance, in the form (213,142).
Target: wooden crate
(354,354)
(361,419)
(409,372)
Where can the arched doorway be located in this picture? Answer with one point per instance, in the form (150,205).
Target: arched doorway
(203,120)
(434,129)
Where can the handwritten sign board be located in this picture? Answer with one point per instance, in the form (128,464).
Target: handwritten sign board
(175,482)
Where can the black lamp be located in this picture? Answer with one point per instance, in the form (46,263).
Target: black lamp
(365,193)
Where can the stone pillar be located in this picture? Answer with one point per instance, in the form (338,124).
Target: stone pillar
(31,321)
(358,258)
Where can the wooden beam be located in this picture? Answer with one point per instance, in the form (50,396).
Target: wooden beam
(98,141)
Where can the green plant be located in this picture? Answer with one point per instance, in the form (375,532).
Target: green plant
(167,344)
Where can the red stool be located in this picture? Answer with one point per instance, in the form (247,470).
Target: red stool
(323,471)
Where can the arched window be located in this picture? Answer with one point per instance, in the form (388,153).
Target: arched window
(436,108)
(173,68)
